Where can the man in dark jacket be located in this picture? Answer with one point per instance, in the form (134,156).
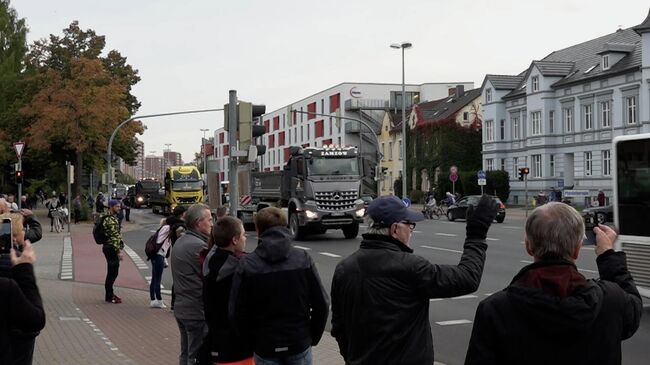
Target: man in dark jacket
(277,299)
(113,250)
(551,314)
(380,294)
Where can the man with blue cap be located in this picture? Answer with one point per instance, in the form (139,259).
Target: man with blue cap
(380,294)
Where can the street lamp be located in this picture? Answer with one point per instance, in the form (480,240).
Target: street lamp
(403,46)
(205,171)
(166,158)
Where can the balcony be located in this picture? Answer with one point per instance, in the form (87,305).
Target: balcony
(366,104)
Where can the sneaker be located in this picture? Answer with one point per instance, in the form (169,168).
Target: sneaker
(162,304)
(153,304)
(116,300)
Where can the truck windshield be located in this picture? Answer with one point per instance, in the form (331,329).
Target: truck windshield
(332,166)
(149,185)
(187,185)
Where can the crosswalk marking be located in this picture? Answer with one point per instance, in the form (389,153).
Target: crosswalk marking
(441,249)
(136,258)
(454,322)
(66,260)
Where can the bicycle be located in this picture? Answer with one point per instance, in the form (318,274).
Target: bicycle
(59,217)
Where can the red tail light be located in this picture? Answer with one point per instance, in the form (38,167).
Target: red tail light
(502,206)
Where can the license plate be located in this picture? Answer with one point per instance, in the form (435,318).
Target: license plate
(338,214)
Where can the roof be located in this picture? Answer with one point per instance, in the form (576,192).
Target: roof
(643,27)
(504,82)
(553,68)
(442,109)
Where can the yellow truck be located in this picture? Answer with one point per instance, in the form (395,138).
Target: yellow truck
(182,186)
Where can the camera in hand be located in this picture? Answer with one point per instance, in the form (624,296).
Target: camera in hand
(5,236)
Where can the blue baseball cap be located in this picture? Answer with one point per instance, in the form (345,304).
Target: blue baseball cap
(386,210)
(113,202)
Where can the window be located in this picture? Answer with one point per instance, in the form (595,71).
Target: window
(400,150)
(488,95)
(630,115)
(605,62)
(390,150)
(319,129)
(489,164)
(605,114)
(465,116)
(502,129)
(587,115)
(536,122)
(551,120)
(515,128)
(588,164)
(607,163)
(515,166)
(489,130)
(335,102)
(311,108)
(535,82)
(383,151)
(537,165)
(276,123)
(503,164)
(568,119)
(551,160)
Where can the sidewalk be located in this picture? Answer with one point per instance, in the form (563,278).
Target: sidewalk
(82,329)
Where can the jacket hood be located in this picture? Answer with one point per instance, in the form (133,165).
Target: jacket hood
(274,244)
(555,298)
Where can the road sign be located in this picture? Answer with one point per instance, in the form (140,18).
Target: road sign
(245,200)
(481,174)
(453,177)
(407,202)
(19,146)
(481,181)
(453,170)
(575,193)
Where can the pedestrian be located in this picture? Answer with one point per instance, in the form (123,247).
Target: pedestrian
(90,202)
(113,250)
(226,245)
(52,204)
(76,207)
(127,208)
(601,198)
(158,264)
(11,199)
(552,196)
(188,283)
(277,300)
(99,203)
(381,293)
(550,313)
(177,228)
(20,302)
(63,199)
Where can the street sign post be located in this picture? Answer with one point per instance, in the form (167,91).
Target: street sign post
(481,179)
(19,147)
(453,178)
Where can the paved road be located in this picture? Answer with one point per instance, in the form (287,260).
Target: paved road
(439,242)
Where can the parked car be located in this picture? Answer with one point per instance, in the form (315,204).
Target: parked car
(603,214)
(458,210)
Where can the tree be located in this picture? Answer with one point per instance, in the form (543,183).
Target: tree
(80,97)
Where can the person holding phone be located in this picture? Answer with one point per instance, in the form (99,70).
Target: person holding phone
(19,295)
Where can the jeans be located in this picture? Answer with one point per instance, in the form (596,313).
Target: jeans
(192,332)
(157,267)
(112,270)
(303,358)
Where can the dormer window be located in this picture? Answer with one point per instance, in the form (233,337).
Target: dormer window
(605,62)
(535,83)
(488,95)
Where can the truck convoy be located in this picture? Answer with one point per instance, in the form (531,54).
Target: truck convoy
(140,194)
(319,187)
(182,186)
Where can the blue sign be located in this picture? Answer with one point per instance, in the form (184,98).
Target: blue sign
(481,174)
(407,202)
(560,183)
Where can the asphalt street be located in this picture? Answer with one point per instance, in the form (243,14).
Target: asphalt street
(440,242)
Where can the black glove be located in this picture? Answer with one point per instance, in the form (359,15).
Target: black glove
(480,218)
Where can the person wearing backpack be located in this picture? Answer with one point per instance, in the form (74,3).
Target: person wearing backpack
(157,249)
(112,248)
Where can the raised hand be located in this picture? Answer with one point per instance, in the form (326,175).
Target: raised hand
(480,218)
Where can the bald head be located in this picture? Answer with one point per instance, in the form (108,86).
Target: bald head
(554,230)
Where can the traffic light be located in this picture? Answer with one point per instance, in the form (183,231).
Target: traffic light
(19,176)
(247,113)
(522,172)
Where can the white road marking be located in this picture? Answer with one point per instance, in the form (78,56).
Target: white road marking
(441,249)
(526,261)
(492,239)
(446,234)
(329,254)
(511,227)
(302,248)
(136,259)
(436,299)
(451,323)
(465,297)
(66,260)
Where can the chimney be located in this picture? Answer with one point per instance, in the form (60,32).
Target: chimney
(460,90)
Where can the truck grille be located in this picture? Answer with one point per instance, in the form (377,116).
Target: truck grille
(186,200)
(638,258)
(336,200)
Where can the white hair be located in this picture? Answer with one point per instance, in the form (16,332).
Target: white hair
(555,230)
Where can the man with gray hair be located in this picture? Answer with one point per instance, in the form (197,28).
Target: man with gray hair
(188,282)
(550,313)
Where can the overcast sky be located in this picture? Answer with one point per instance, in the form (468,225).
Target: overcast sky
(190,53)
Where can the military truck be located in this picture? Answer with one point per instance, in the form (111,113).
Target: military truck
(182,186)
(319,187)
(140,194)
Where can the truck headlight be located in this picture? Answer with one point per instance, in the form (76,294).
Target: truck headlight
(140,199)
(361,212)
(310,214)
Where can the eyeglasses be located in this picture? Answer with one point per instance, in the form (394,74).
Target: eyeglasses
(410,224)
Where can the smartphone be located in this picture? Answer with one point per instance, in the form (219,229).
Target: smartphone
(5,236)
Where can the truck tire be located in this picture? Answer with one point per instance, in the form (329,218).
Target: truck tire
(351,231)
(294,226)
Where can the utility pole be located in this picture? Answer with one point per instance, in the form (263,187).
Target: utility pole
(205,156)
(233,189)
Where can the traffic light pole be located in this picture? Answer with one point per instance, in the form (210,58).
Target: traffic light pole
(526,192)
(233,187)
(19,198)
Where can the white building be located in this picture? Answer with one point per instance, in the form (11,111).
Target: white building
(558,117)
(292,126)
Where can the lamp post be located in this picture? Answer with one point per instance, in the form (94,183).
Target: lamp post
(403,46)
(166,159)
(205,156)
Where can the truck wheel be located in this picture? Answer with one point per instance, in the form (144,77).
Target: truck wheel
(351,231)
(294,225)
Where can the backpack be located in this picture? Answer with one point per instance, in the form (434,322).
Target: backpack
(152,246)
(99,234)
